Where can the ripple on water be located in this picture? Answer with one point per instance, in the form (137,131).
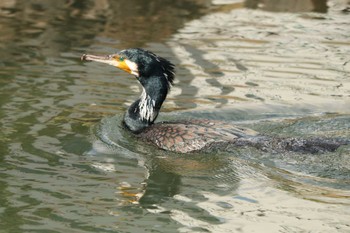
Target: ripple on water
(284,53)
(55,178)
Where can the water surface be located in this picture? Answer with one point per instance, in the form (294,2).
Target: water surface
(66,164)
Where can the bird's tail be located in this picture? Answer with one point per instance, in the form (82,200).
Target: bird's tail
(307,145)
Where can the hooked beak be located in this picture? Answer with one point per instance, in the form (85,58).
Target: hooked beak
(88,57)
(114,60)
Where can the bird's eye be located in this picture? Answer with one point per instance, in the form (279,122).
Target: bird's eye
(121,58)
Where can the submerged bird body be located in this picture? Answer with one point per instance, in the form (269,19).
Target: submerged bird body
(193,135)
(156,75)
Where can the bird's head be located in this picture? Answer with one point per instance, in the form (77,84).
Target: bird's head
(155,74)
(139,62)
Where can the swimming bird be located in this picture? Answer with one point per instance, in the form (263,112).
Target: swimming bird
(156,76)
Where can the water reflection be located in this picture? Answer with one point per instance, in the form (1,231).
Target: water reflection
(168,176)
(288,6)
(62,25)
(36,33)
(49,102)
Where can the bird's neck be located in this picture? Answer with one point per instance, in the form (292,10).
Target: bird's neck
(144,111)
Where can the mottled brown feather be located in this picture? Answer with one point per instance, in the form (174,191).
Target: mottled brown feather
(194,135)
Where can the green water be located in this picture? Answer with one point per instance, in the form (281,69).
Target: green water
(66,164)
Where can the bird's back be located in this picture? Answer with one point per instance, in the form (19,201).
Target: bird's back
(193,135)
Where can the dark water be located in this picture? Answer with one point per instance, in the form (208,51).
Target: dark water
(66,165)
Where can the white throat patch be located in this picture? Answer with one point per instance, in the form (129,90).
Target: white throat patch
(132,67)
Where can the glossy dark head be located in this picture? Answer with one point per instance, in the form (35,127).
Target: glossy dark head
(139,62)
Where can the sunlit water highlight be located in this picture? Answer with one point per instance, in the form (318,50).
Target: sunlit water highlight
(67,165)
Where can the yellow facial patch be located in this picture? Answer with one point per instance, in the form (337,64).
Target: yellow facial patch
(123,66)
(126,65)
